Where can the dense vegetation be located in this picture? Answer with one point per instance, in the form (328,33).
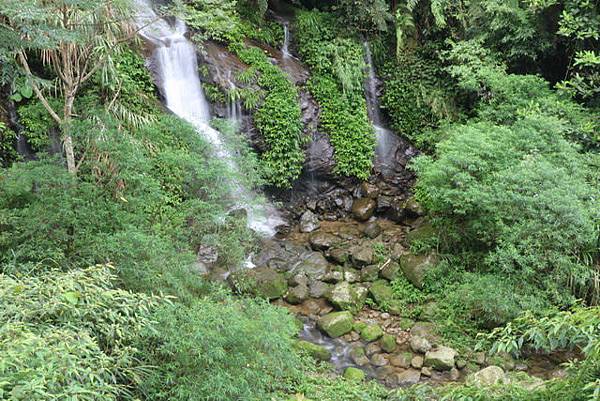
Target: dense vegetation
(103,219)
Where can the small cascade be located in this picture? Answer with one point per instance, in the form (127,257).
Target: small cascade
(234,104)
(285,49)
(385,137)
(175,62)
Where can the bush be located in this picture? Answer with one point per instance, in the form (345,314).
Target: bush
(518,196)
(70,335)
(219,349)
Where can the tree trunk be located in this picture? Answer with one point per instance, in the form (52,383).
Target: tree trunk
(67,138)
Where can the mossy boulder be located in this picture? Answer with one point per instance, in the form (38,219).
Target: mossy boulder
(383,295)
(345,296)
(335,324)
(440,358)
(415,267)
(316,351)
(371,332)
(354,374)
(423,234)
(390,271)
(388,343)
(261,282)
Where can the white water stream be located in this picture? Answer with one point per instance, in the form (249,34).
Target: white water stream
(175,62)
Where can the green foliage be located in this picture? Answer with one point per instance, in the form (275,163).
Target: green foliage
(37,123)
(416,97)
(337,65)
(278,119)
(322,387)
(365,16)
(213,19)
(70,335)
(484,173)
(220,349)
(8,153)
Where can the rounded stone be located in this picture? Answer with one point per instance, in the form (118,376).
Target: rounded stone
(354,374)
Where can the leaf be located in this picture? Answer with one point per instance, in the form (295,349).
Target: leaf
(71,297)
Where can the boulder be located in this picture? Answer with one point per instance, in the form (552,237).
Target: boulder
(379,360)
(372,229)
(338,255)
(318,289)
(408,378)
(320,241)
(424,233)
(390,271)
(354,374)
(371,333)
(419,345)
(297,295)
(362,255)
(359,356)
(401,360)
(261,282)
(316,351)
(454,374)
(489,376)
(335,324)
(440,358)
(363,208)
(369,273)
(417,362)
(381,292)
(314,266)
(309,222)
(415,267)
(345,296)
(388,343)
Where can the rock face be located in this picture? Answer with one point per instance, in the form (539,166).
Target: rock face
(346,296)
(489,376)
(363,208)
(335,324)
(415,267)
(440,358)
(309,222)
(261,282)
(316,351)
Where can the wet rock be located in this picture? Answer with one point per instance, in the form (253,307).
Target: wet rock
(401,360)
(489,376)
(335,324)
(388,343)
(390,271)
(368,190)
(419,344)
(345,296)
(354,374)
(316,351)
(379,360)
(363,208)
(261,282)
(369,273)
(314,265)
(371,333)
(297,295)
(320,241)
(415,267)
(408,378)
(362,255)
(440,358)
(338,255)
(318,289)
(372,229)
(372,348)
(359,356)
(417,362)
(309,222)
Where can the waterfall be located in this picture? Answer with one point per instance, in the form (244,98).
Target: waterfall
(234,105)
(285,49)
(385,137)
(175,62)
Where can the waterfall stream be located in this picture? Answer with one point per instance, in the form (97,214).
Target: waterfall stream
(176,69)
(385,137)
(285,49)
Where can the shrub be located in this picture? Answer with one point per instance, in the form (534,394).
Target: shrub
(220,349)
(519,196)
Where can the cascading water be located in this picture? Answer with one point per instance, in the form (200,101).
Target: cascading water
(234,105)
(285,49)
(385,137)
(176,67)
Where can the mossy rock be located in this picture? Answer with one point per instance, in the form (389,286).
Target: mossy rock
(423,234)
(335,324)
(371,333)
(354,374)
(383,295)
(388,343)
(262,282)
(318,352)
(406,323)
(345,296)
(415,267)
